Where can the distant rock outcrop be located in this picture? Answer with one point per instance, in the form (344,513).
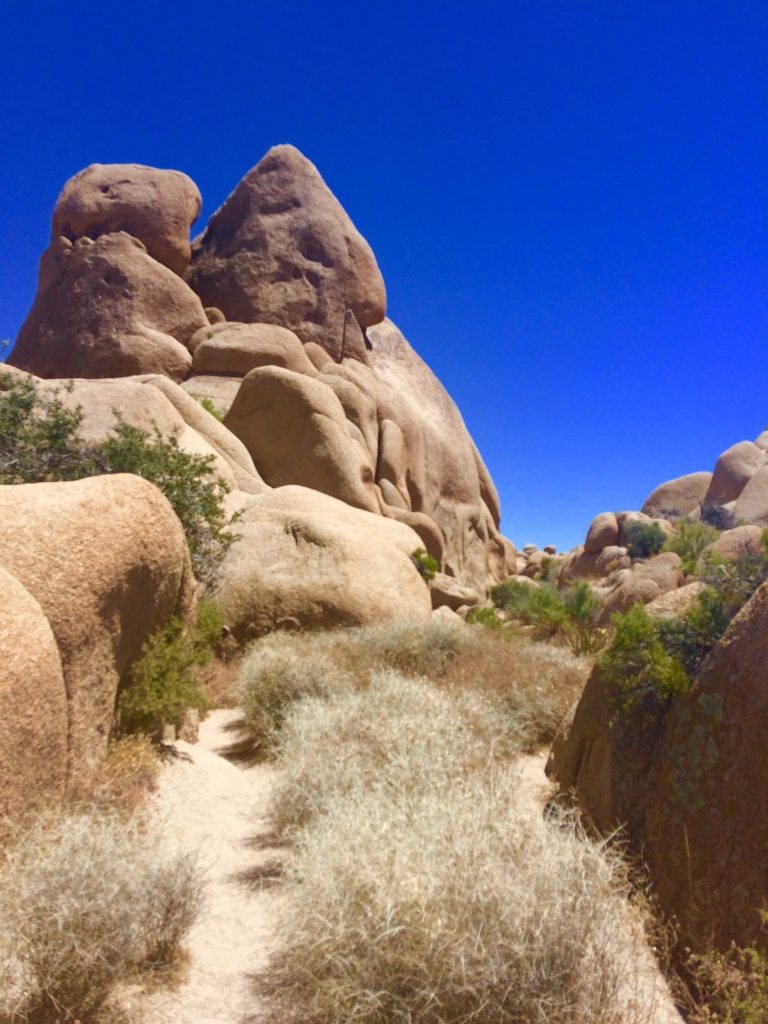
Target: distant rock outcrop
(282,250)
(289,344)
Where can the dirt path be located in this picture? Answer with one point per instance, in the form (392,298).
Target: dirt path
(218,807)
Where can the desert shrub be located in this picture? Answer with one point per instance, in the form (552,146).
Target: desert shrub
(124,779)
(689,540)
(396,735)
(637,664)
(40,441)
(276,674)
(88,900)
(415,648)
(163,682)
(425,563)
(208,405)
(717,516)
(485,617)
(728,987)
(582,609)
(644,540)
(571,613)
(451,903)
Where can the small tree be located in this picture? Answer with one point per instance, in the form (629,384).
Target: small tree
(644,540)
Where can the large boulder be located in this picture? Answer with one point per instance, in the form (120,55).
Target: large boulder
(733,471)
(105,308)
(238,348)
(687,786)
(678,498)
(282,250)
(33,727)
(107,562)
(157,207)
(737,543)
(752,504)
(296,431)
(307,560)
(603,532)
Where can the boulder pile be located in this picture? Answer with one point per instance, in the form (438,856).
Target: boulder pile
(275,317)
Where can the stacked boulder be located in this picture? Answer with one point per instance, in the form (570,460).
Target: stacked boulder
(275,319)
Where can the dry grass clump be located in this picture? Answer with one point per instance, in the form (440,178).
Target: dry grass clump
(276,673)
(449,903)
(535,684)
(398,735)
(88,899)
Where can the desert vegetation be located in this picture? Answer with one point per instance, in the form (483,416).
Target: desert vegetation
(40,441)
(88,899)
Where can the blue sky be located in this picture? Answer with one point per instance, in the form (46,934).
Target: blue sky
(567,199)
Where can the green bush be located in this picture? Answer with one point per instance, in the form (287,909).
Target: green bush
(571,613)
(637,664)
(208,405)
(582,608)
(40,441)
(690,539)
(644,540)
(163,683)
(425,563)
(484,617)
(728,987)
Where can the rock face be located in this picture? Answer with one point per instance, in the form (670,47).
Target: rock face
(105,308)
(307,560)
(282,250)
(733,471)
(238,348)
(106,561)
(677,498)
(644,582)
(157,207)
(33,727)
(752,504)
(688,787)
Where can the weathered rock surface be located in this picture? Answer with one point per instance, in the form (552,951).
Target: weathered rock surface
(447,592)
(235,349)
(33,727)
(735,544)
(643,583)
(733,471)
(105,308)
(308,560)
(688,787)
(107,562)
(157,207)
(675,603)
(678,498)
(752,504)
(282,250)
(603,533)
(220,391)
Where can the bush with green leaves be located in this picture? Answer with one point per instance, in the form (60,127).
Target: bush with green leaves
(487,617)
(208,405)
(571,613)
(689,541)
(426,565)
(40,441)
(163,683)
(644,540)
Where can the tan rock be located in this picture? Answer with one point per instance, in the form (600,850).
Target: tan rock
(447,615)
(595,565)
(603,532)
(762,440)
(282,250)
(235,349)
(295,429)
(219,391)
(157,207)
(733,471)
(675,603)
(752,504)
(107,561)
(646,581)
(735,544)
(446,591)
(107,309)
(306,559)
(678,498)
(33,727)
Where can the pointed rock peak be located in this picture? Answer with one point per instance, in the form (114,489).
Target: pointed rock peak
(282,250)
(354,345)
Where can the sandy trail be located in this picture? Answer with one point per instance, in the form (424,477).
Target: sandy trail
(219,808)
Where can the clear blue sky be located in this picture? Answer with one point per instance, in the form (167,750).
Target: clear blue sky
(568,200)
